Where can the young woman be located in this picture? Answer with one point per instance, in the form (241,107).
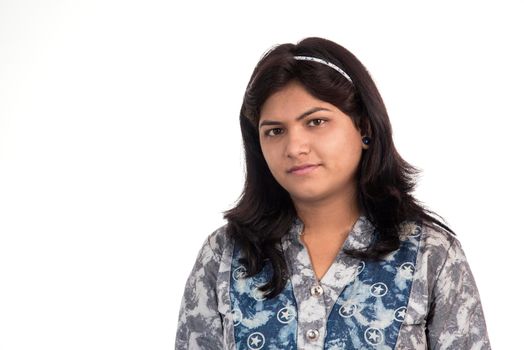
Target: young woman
(327,248)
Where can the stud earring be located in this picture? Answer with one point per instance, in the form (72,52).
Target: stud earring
(366,140)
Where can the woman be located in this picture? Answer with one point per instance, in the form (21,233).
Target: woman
(327,247)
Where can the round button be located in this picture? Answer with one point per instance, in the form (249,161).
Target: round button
(312,334)
(317,291)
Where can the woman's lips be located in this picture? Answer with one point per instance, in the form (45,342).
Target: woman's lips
(304,171)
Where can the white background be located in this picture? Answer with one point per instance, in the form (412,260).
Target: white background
(120,147)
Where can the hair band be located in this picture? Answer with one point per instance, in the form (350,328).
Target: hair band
(329,64)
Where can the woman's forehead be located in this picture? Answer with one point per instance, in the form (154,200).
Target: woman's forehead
(291,102)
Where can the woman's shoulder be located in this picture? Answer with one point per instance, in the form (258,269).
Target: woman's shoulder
(441,245)
(431,236)
(440,258)
(437,247)
(218,240)
(438,237)
(211,255)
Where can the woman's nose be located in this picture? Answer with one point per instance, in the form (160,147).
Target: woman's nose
(297,144)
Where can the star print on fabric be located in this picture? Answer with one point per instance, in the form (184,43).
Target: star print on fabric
(415,232)
(406,270)
(373,336)
(256,341)
(400,314)
(237,316)
(378,289)
(240,272)
(360,267)
(286,314)
(367,312)
(347,310)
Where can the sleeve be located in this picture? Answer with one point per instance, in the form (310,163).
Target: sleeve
(456,319)
(199,322)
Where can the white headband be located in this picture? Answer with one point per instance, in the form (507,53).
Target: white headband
(329,64)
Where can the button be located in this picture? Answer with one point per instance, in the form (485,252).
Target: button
(312,334)
(317,291)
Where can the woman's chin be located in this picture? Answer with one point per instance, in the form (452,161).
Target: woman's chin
(308,196)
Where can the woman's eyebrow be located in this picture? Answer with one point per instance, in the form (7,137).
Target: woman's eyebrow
(303,115)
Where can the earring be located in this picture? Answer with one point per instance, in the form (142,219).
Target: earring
(366,140)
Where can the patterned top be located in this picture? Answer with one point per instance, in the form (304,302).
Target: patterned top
(421,296)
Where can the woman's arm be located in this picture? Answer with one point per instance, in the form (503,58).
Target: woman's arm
(199,322)
(456,319)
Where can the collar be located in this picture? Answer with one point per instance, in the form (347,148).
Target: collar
(359,237)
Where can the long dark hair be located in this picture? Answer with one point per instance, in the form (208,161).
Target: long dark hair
(264,212)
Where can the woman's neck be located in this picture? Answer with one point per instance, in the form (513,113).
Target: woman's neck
(330,218)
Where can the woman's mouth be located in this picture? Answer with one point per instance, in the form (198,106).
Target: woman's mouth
(304,170)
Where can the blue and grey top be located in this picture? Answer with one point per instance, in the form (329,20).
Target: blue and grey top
(421,296)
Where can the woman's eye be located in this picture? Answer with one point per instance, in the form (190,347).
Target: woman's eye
(268,133)
(320,121)
(277,131)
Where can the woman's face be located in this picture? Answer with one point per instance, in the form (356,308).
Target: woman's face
(298,129)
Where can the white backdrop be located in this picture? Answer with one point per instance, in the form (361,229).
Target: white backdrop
(120,147)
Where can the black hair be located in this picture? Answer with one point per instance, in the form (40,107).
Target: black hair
(264,212)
